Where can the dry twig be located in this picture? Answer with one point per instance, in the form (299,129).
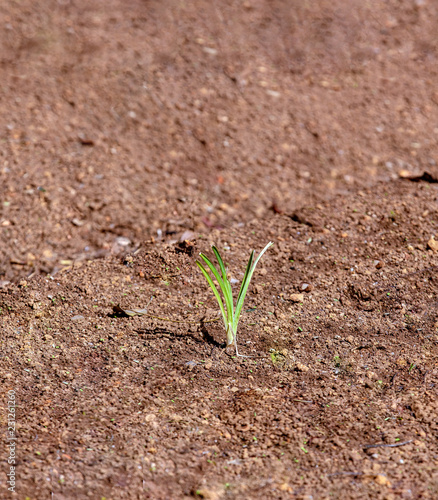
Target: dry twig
(382,445)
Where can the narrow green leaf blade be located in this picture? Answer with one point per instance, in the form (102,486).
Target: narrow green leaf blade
(213,270)
(221,262)
(224,283)
(245,284)
(229,294)
(245,276)
(215,291)
(269,245)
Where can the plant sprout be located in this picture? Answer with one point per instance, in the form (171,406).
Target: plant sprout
(230,314)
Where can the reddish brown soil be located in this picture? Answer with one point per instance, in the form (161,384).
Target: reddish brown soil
(127,127)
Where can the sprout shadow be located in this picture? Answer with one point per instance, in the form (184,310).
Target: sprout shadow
(159,332)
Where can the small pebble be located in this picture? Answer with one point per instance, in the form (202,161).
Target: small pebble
(210,50)
(296,297)
(191,364)
(299,367)
(433,244)
(382,480)
(258,289)
(306,287)
(122,241)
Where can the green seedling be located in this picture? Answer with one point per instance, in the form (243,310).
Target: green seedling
(230,314)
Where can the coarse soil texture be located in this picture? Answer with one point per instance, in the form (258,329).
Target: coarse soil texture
(136,134)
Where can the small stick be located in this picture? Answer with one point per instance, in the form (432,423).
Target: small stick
(382,445)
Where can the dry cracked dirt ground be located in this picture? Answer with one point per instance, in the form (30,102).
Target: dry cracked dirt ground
(135,134)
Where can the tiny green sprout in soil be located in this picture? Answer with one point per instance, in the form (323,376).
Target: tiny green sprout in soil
(230,313)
